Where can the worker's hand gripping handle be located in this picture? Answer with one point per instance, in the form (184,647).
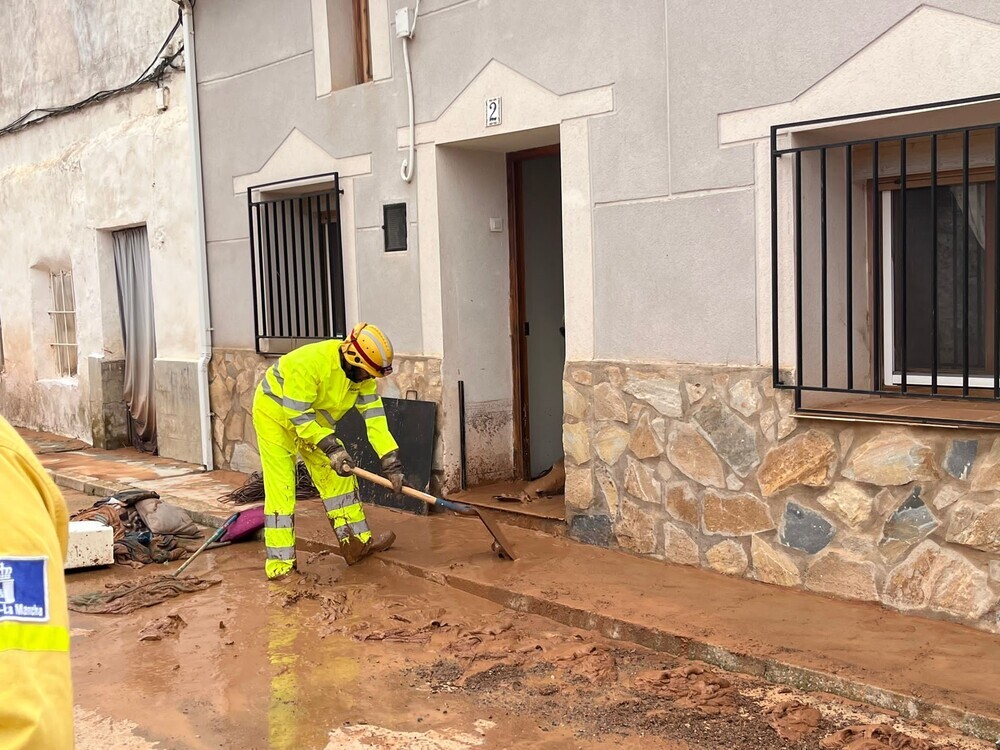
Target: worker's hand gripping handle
(416,494)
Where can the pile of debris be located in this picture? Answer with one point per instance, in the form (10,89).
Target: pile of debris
(146,529)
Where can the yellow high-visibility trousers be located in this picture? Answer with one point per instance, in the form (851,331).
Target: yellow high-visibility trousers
(278,445)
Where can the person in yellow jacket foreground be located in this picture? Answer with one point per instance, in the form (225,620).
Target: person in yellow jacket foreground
(299,401)
(36,693)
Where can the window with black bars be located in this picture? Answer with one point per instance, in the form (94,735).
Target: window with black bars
(297,263)
(894,271)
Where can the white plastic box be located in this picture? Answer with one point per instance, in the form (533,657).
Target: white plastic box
(90,543)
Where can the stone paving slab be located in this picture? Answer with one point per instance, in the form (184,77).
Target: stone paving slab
(125,466)
(940,672)
(45,442)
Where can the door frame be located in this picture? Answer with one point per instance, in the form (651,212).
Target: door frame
(519,346)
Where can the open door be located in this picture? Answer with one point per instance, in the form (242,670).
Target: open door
(135,302)
(537,307)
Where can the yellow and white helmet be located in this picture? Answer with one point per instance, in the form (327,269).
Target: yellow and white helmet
(370,349)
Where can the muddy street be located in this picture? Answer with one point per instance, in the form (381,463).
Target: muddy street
(372,657)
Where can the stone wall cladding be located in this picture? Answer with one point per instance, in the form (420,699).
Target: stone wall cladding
(707,466)
(233,378)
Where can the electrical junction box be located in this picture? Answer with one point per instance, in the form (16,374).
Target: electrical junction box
(403,23)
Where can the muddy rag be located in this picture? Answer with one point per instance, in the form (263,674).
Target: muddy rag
(122,598)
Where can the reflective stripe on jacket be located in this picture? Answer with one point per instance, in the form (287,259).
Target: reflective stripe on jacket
(314,393)
(36,693)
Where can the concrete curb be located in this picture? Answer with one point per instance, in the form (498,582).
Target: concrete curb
(774,671)
(658,639)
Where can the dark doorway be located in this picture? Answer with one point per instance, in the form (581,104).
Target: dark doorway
(537,307)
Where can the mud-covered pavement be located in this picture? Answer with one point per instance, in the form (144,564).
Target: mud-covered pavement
(372,657)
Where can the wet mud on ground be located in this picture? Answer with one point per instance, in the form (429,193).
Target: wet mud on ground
(370,657)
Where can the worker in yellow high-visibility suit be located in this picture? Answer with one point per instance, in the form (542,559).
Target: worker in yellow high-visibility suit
(36,694)
(300,399)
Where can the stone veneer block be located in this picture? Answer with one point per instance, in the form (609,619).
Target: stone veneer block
(640,482)
(734,514)
(576,442)
(744,397)
(771,565)
(635,530)
(663,393)
(843,575)
(610,443)
(805,529)
(987,474)
(678,546)
(579,490)
(961,455)
(891,459)
(849,502)
(694,456)
(939,579)
(946,496)
(682,504)
(594,530)
(976,525)
(808,459)
(609,489)
(574,403)
(647,437)
(696,392)
(609,404)
(728,557)
(732,438)
(911,522)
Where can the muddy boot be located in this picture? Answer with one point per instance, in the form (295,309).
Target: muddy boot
(289,576)
(354,550)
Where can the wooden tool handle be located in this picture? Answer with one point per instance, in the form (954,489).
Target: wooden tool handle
(383,482)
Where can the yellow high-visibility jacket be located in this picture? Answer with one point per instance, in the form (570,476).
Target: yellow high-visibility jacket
(36,694)
(314,393)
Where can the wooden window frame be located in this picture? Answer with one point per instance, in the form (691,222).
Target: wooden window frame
(362,42)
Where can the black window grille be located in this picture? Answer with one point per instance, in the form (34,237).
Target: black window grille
(895,273)
(394,227)
(297,263)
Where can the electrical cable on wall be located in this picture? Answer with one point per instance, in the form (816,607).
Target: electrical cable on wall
(406,169)
(153,73)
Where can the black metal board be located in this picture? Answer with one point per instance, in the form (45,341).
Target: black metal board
(412,424)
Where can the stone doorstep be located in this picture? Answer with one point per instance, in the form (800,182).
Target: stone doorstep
(659,639)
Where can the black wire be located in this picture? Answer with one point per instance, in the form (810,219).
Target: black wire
(152,72)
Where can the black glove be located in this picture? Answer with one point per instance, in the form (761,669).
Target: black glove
(340,459)
(392,468)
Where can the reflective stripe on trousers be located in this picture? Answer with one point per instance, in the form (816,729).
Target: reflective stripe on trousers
(278,448)
(347,517)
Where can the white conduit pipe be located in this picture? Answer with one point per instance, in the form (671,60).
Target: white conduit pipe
(204,312)
(406,169)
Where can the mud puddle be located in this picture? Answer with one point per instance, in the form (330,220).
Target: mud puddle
(369,657)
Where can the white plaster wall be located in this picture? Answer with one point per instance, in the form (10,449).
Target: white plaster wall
(68,182)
